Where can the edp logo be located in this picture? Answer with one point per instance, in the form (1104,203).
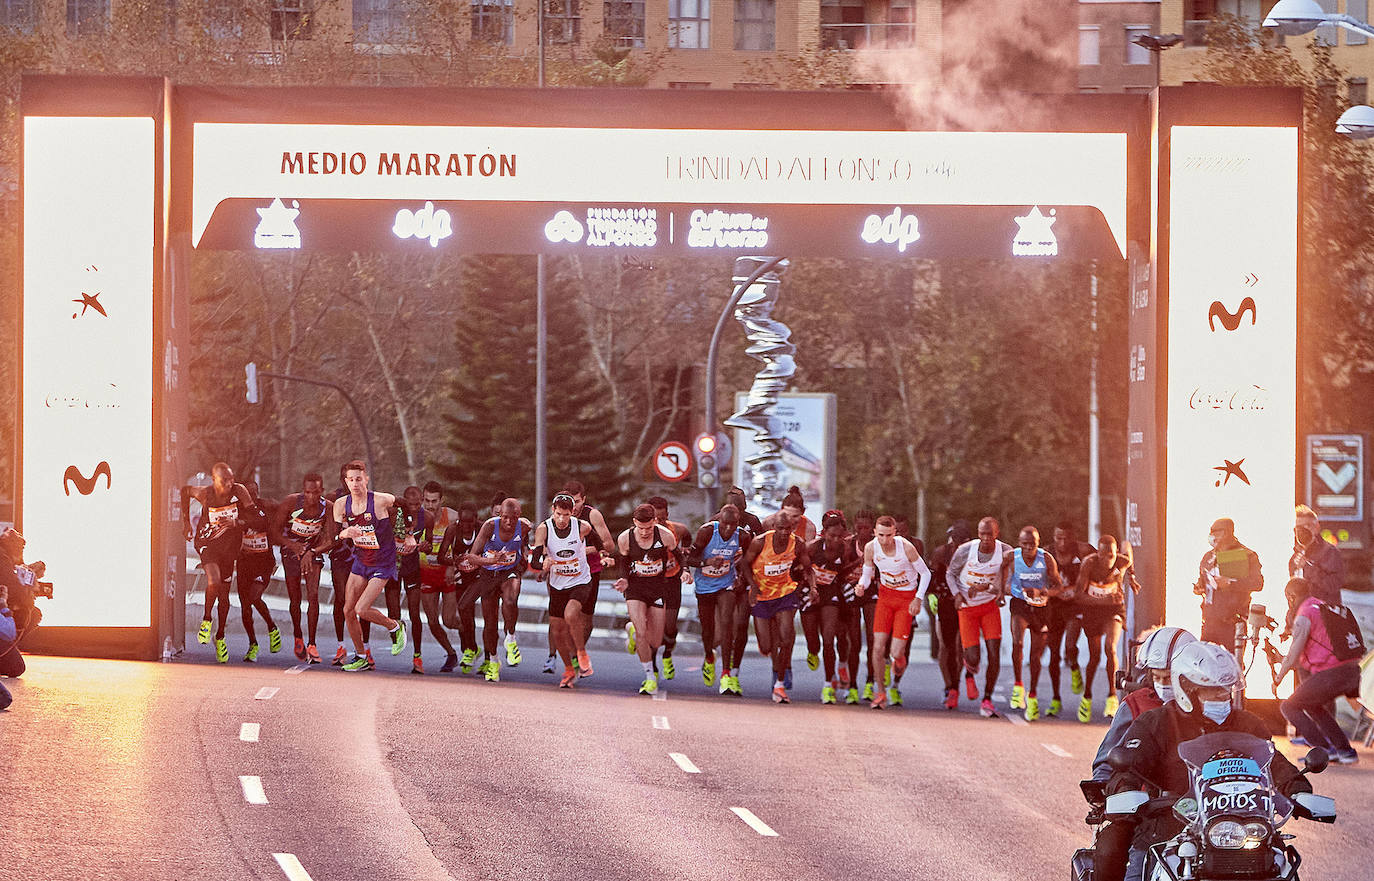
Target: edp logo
(894,229)
(426,223)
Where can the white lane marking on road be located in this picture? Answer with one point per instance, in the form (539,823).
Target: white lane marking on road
(684,763)
(248,732)
(1016,719)
(297,670)
(660,695)
(266,693)
(1057,750)
(292,867)
(252,790)
(754,822)
(661,723)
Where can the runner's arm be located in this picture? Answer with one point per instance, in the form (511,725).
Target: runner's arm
(695,556)
(277,520)
(622,561)
(187,494)
(870,570)
(1089,564)
(746,565)
(483,536)
(956,565)
(446,545)
(1056,584)
(598,521)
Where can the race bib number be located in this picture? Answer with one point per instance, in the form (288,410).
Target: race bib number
(255,541)
(824,576)
(646,568)
(1103,591)
(368,540)
(716,567)
(775,570)
(222,516)
(305,528)
(499,557)
(896,582)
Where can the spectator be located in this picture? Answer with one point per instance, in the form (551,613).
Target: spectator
(11,661)
(1315,560)
(1227,574)
(1325,676)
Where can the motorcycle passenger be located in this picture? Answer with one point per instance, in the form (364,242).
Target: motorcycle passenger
(1153,658)
(1202,676)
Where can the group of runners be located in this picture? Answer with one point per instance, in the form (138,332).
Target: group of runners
(857,588)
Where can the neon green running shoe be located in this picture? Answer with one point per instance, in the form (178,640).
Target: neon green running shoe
(630,637)
(221,651)
(398,639)
(1076,681)
(469,657)
(851,696)
(669,671)
(512,652)
(492,670)
(894,697)
(650,686)
(1109,709)
(274,640)
(1056,706)
(868,691)
(735,688)
(828,694)
(1018,697)
(708,672)
(1032,709)
(359,662)
(1085,710)
(252,656)
(203,634)
(813,660)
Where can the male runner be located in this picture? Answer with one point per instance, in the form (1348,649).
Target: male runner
(217,535)
(975,579)
(1066,622)
(366,518)
(750,521)
(462,574)
(501,541)
(900,571)
(1030,575)
(809,613)
(256,565)
(409,526)
(600,553)
(643,552)
(1102,597)
(559,551)
(833,563)
(677,575)
(340,568)
(299,525)
(768,568)
(864,523)
(434,582)
(716,551)
(940,600)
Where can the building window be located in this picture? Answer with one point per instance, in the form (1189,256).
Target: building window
(290,19)
(562,21)
(625,22)
(1088,45)
(380,22)
(17,16)
(689,24)
(1359,9)
(843,24)
(1327,33)
(224,20)
(87,17)
(901,24)
(1357,90)
(493,21)
(754,25)
(1136,53)
(692,85)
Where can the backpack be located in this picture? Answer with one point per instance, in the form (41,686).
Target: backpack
(1347,643)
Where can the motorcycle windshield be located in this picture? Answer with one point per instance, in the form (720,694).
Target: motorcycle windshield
(1230,775)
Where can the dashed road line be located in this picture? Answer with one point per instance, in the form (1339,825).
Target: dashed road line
(754,822)
(252,790)
(266,693)
(684,763)
(292,867)
(661,723)
(248,732)
(660,695)
(1016,719)
(1057,750)
(297,670)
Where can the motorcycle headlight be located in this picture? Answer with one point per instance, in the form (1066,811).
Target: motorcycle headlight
(1226,834)
(1256,834)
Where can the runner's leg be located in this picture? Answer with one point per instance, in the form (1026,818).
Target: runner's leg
(874,671)
(312,601)
(811,629)
(1054,639)
(510,604)
(367,597)
(785,631)
(706,616)
(352,590)
(1093,630)
(414,605)
(1019,626)
(830,627)
(430,603)
(292,573)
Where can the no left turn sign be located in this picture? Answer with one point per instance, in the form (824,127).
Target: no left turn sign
(672,461)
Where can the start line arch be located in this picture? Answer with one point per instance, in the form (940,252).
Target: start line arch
(122,178)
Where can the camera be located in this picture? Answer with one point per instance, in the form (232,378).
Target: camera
(43,589)
(28,576)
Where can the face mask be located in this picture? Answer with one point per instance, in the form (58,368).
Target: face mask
(1217,711)
(1165,692)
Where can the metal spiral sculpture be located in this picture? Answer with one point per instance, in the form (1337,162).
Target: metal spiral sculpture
(770,343)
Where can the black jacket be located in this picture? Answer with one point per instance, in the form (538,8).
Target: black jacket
(1153,741)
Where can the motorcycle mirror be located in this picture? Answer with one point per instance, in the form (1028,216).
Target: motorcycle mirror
(1315,761)
(1121,759)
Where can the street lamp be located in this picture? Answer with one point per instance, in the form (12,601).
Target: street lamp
(1293,18)
(1357,123)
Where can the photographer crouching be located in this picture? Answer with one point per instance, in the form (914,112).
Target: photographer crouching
(18,585)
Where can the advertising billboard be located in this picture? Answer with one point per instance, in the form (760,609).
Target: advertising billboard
(808,452)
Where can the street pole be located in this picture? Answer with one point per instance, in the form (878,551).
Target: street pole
(541,344)
(357,414)
(1094,483)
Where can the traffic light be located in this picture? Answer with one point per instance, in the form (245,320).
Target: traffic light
(250,374)
(706,451)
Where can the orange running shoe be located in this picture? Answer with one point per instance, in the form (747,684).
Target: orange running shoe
(417,666)
(300,649)
(569,676)
(584,664)
(312,654)
(340,657)
(371,664)
(879,699)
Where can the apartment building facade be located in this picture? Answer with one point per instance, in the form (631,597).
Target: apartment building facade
(1108,58)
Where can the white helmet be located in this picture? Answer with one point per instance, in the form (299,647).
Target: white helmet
(1158,648)
(1201,665)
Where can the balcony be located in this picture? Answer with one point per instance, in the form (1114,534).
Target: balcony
(868,35)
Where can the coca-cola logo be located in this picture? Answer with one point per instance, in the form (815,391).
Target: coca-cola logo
(1245,399)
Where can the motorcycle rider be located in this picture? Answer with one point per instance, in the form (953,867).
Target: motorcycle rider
(1153,658)
(1202,675)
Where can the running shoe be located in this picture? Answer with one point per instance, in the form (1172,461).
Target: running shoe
(1032,709)
(312,654)
(1076,680)
(1109,708)
(512,652)
(970,688)
(469,658)
(493,670)
(1299,740)
(203,634)
(851,696)
(669,671)
(725,685)
(787,678)
(449,663)
(780,695)
(252,655)
(650,685)
(1085,710)
(583,663)
(987,710)
(221,651)
(359,662)
(569,677)
(894,697)
(1056,705)
(844,676)
(367,653)
(274,640)
(828,694)
(549,666)
(1018,697)
(299,649)
(868,691)
(398,639)
(1345,756)
(734,687)
(340,657)
(630,637)
(879,697)
(952,699)
(708,672)
(813,660)
(417,665)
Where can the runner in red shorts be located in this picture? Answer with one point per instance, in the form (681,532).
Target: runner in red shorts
(900,571)
(975,579)
(435,585)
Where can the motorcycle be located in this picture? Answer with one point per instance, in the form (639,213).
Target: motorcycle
(1232,813)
